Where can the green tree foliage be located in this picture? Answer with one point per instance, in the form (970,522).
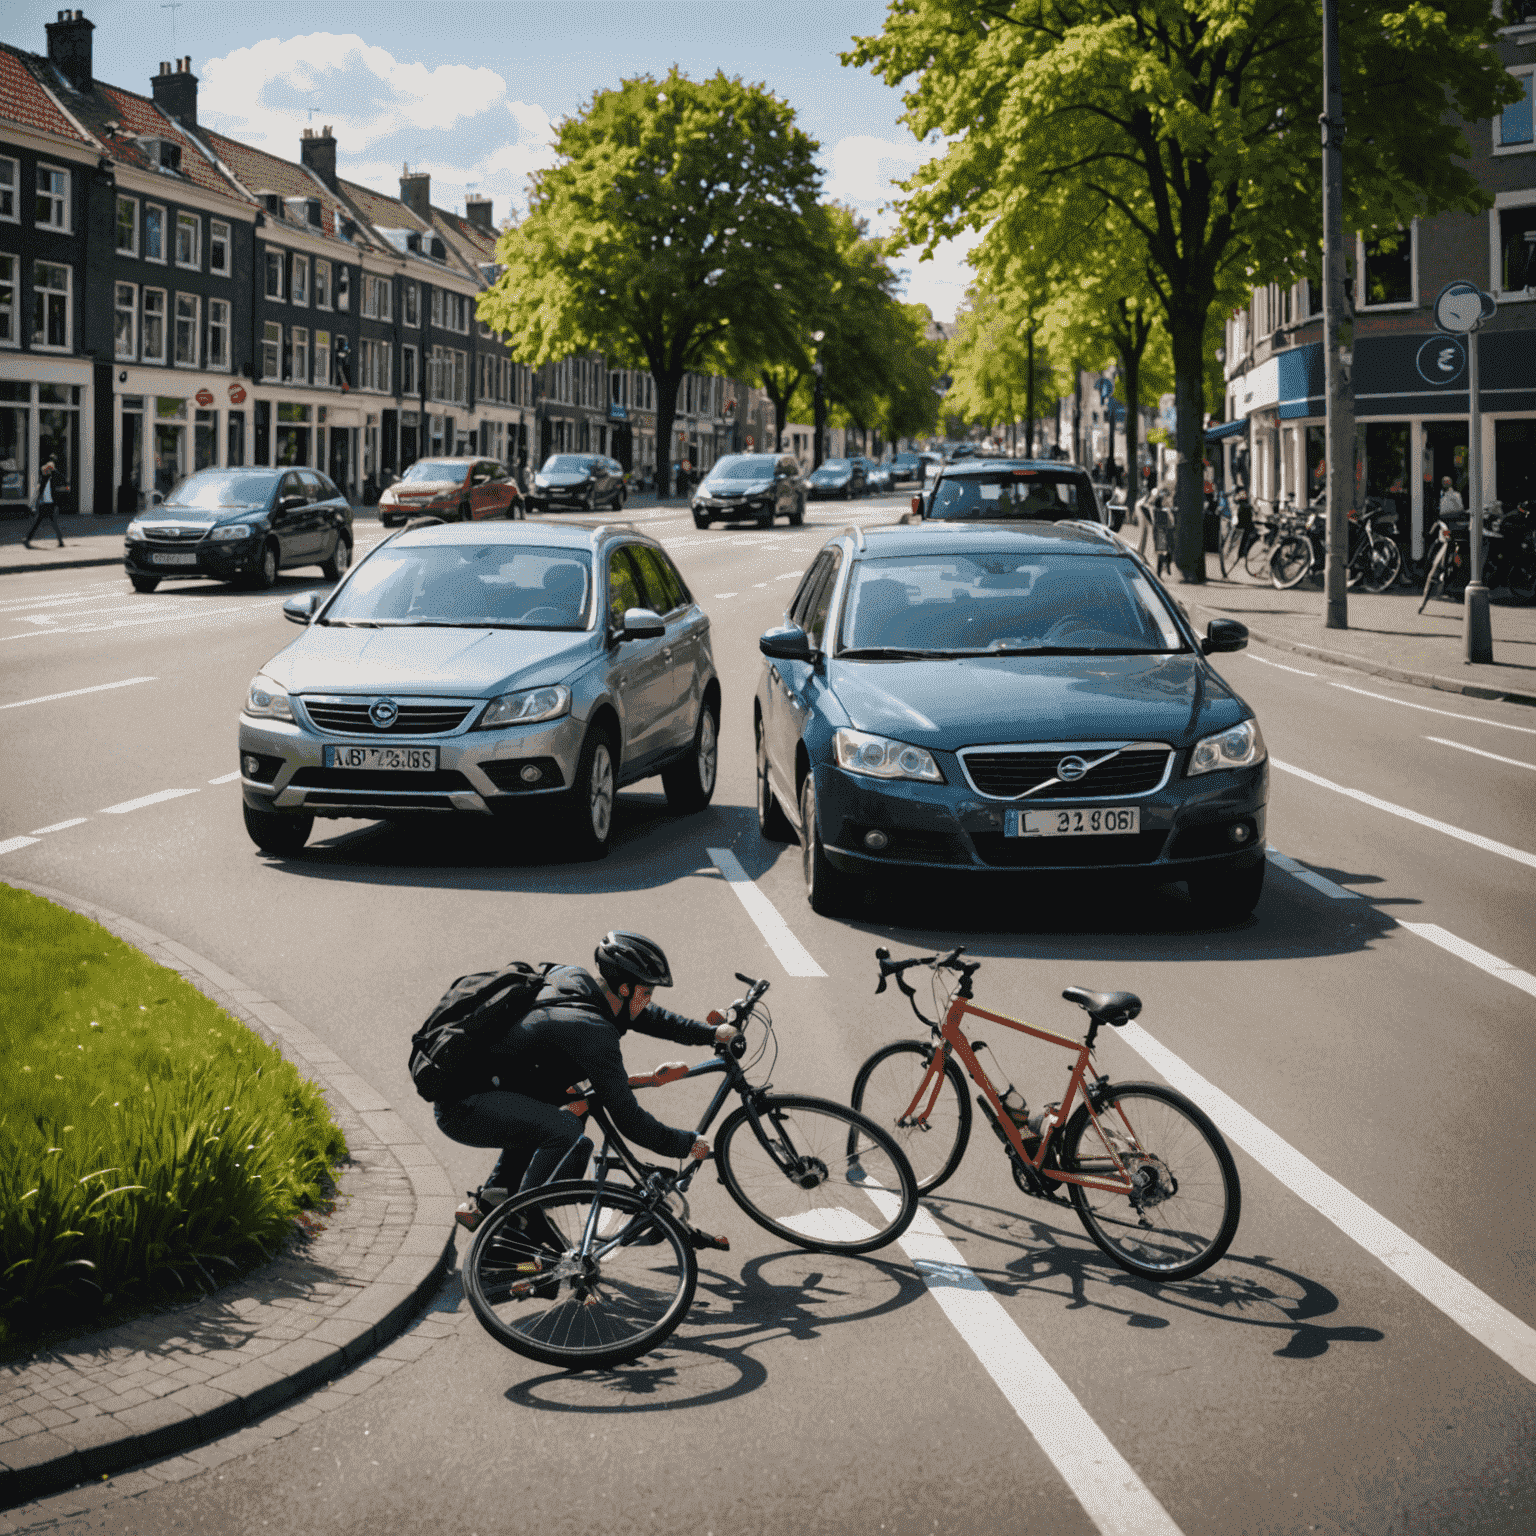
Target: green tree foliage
(1195,123)
(998,364)
(675,232)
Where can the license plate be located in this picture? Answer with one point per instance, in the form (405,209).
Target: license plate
(173,558)
(1098,822)
(412,759)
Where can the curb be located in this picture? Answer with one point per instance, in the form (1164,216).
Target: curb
(52,1460)
(59,565)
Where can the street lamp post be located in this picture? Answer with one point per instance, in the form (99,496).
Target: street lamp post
(818,450)
(1338,332)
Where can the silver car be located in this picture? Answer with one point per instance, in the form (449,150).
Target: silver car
(493,669)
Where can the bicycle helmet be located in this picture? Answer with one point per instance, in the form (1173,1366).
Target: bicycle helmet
(631,957)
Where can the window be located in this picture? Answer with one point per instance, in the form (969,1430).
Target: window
(189,240)
(152,337)
(410,304)
(373,365)
(1514,131)
(408,385)
(271,351)
(322,285)
(8,335)
(10,178)
(218,333)
(1386,263)
(50,305)
(52,208)
(437,306)
(298,354)
(298,283)
(187,308)
(343,288)
(128,226)
(218,247)
(154,232)
(274,267)
(322,373)
(1516,254)
(125,322)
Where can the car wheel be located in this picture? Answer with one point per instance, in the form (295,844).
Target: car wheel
(797,517)
(264,575)
(847,493)
(1228,898)
(143,583)
(828,890)
(341,557)
(690,782)
(591,811)
(617,504)
(464,513)
(273,833)
(765,520)
(700,522)
(772,824)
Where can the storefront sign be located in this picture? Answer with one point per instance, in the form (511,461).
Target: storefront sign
(204,398)
(237,394)
(1441,360)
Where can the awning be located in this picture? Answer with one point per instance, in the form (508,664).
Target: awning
(1227,429)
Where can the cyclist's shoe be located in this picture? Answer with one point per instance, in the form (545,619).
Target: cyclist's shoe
(478,1206)
(701,1240)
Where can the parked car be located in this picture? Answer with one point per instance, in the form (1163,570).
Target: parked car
(455,489)
(578,482)
(979,697)
(907,467)
(505,669)
(1007,490)
(881,480)
(241,525)
(761,486)
(843,478)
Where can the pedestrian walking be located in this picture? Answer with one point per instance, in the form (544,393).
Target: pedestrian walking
(1450,497)
(46,505)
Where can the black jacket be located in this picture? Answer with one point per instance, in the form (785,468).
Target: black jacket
(569,1036)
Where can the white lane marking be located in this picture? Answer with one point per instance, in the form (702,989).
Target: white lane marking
(74,693)
(792,954)
(1309,876)
(1473,955)
(59,826)
(1492,1325)
(39,618)
(1487,844)
(143,800)
(1429,709)
(227,778)
(1265,661)
(790,576)
(11,844)
(1461,746)
(725,594)
(1101,1479)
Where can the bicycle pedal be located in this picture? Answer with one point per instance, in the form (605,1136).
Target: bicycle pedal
(702,1240)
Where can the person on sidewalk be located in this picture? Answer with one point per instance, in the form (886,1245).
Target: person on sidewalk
(46,505)
(1450,497)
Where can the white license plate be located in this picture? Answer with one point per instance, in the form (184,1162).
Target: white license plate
(166,557)
(1098,822)
(412,759)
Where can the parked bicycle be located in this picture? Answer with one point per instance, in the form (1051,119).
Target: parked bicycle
(595,1272)
(1373,558)
(1268,529)
(1146,1171)
(1240,532)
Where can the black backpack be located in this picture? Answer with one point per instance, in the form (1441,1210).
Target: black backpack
(447,1048)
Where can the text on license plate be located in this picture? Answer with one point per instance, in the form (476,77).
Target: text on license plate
(176,557)
(417,759)
(1072,823)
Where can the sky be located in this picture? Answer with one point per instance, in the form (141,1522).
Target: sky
(468,90)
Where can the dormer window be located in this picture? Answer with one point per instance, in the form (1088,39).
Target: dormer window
(439,250)
(312,209)
(273,203)
(170,156)
(413,241)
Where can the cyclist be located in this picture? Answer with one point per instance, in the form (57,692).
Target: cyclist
(571,1035)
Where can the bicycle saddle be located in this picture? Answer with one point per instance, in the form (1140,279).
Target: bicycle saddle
(1112,1008)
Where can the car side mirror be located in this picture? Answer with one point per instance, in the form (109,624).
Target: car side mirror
(642,624)
(787,643)
(291,503)
(1224,635)
(301,609)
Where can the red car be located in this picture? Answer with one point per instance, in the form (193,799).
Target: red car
(456,490)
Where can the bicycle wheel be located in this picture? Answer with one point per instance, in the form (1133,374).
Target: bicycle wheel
(1229,551)
(1260,553)
(1386,562)
(817,1174)
(1434,582)
(1522,578)
(884,1090)
(1184,1213)
(1291,562)
(536,1292)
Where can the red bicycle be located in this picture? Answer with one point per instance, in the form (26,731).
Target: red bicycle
(1145,1169)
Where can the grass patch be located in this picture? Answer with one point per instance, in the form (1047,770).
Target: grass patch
(150,1144)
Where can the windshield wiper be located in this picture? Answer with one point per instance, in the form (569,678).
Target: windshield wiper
(347,623)
(887,653)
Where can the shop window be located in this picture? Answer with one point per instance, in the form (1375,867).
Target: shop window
(8,336)
(125,322)
(1387,263)
(152,336)
(1515,122)
(274,275)
(218,333)
(189,241)
(52,207)
(271,353)
(218,247)
(322,285)
(234,440)
(154,232)
(299,289)
(262,443)
(187,316)
(205,440)
(127,226)
(50,305)
(10,179)
(1517,248)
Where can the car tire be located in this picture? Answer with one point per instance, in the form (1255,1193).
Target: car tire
(690,781)
(829,891)
(263,577)
(617,504)
(1228,898)
(277,834)
(765,520)
(700,522)
(464,514)
(773,825)
(592,796)
(340,562)
(143,583)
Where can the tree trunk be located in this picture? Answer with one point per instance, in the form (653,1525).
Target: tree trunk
(1130,371)
(1077,412)
(1187,333)
(1029,399)
(666,415)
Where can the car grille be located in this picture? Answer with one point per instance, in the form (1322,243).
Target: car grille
(172,533)
(1006,774)
(1067,852)
(349,717)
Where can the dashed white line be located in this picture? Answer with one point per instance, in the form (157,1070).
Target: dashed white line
(226,778)
(725,594)
(59,826)
(1461,746)
(11,844)
(1265,661)
(1429,709)
(74,693)
(143,800)
(792,954)
(1473,955)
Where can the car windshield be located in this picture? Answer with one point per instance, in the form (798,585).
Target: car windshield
(223,488)
(437,470)
(489,586)
(568,464)
(1021,493)
(835,467)
(996,604)
(744,466)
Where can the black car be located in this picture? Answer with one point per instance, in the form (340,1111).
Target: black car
(579,482)
(241,525)
(761,486)
(975,697)
(907,466)
(1007,490)
(842,478)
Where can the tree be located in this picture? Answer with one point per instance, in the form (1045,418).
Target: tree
(997,364)
(674,232)
(1195,121)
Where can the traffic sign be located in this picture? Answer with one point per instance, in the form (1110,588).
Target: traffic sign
(1463,307)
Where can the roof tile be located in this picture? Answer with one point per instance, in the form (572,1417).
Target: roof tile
(23,99)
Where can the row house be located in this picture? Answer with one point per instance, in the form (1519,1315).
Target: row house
(1409,379)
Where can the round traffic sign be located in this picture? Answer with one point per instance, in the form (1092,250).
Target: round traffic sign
(1462,307)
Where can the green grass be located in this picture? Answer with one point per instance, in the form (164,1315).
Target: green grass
(150,1144)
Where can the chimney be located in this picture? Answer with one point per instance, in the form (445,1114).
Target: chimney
(478,211)
(175,91)
(317,151)
(69,47)
(416,193)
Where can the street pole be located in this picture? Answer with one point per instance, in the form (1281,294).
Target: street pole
(1477,626)
(818,451)
(1338,332)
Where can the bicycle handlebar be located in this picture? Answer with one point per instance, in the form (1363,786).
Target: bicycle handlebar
(949,962)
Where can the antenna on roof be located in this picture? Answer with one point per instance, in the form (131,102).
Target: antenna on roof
(172,6)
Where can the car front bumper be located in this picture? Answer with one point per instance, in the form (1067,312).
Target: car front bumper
(761,507)
(225,560)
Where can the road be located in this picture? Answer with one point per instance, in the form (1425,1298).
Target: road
(1363,1359)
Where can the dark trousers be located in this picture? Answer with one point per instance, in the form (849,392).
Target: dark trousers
(45,514)
(535,1138)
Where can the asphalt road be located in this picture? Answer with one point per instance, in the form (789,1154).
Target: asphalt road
(1362,1360)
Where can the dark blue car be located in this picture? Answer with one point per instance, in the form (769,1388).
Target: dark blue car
(972,696)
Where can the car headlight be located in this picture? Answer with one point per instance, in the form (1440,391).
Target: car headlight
(1239,746)
(882,758)
(134,534)
(232,531)
(266,701)
(540,481)
(525,707)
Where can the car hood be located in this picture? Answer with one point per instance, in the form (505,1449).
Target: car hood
(201,517)
(739,487)
(970,700)
(831,476)
(425,487)
(427,661)
(563,479)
